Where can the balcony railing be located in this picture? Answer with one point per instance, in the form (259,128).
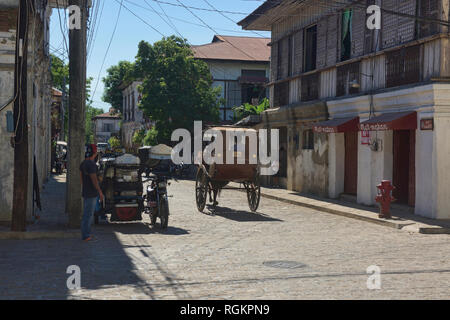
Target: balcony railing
(403,66)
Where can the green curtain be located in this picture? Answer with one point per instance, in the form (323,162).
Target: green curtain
(346,33)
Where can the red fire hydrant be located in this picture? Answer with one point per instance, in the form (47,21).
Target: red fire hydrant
(384,198)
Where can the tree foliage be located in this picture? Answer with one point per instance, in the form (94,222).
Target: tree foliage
(151,137)
(59,71)
(176,89)
(138,137)
(114,142)
(248,109)
(116,75)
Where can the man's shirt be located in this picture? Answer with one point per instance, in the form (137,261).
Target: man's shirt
(88,167)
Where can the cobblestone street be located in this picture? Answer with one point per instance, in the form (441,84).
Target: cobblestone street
(233,254)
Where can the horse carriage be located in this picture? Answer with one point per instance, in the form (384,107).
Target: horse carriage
(214,177)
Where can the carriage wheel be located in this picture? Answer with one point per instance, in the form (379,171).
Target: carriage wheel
(201,190)
(254,194)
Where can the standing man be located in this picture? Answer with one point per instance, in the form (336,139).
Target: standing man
(91,190)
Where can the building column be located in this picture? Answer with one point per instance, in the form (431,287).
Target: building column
(441,170)
(336,164)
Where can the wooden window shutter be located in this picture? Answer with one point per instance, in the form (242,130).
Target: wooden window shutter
(274,62)
(298,52)
(429,9)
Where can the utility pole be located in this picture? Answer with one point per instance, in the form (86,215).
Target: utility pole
(77,105)
(20,139)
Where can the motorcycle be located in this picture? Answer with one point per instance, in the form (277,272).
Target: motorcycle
(156,199)
(179,170)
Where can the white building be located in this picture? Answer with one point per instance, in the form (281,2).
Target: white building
(133,117)
(106,125)
(240,66)
(358,106)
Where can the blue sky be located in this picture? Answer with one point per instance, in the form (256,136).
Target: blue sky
(131,29)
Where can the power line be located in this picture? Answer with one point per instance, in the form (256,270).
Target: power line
(109,46)
(253,58)
(134,14)
(185,21)
(226,17)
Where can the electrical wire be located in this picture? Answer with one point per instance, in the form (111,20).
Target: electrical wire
(109,46)
(201,20)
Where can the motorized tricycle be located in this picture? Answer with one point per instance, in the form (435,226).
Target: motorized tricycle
(122,183)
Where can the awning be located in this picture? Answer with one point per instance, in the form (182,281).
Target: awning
(337,125)
(391,121)
(253,80)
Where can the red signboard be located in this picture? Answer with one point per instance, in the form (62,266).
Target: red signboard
(365,137)
(427,124)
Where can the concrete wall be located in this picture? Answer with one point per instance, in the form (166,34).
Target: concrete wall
(7,49)
(308,169)
(38,111)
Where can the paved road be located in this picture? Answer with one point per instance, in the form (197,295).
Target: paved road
(231,255)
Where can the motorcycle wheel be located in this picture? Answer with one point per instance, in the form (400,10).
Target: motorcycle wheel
(164,214)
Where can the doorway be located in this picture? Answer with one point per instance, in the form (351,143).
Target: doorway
(351,163)
(404,167)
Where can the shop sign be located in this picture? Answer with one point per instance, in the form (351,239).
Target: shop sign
(427,124)
(365,137)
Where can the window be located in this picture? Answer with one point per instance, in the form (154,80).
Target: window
(107,127)
(232,93)
(403,66)
(308,139)
(310,49)
(281,94)
(279,59)
(132,106)
(310,87)
(346,34)
(290,55)
(347,74)
(124,108)
(428,9)
(253,73)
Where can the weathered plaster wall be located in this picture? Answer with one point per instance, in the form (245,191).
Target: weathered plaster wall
(7,46)
(38,112)
(310,172)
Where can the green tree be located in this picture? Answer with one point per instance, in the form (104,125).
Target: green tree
(114,142)
(138,137)
(116,74)
(151,137)
(60,74)
(59,71)
(248,109)
(176,89)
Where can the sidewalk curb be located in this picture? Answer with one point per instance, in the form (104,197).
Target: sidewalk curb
(407,226)
(386,223)
(42,235)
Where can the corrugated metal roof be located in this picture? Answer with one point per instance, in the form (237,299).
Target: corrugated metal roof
(234,48)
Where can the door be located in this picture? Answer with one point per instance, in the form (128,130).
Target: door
(404,166)
(351,163)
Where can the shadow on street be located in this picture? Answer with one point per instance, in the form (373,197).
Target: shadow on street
(239,215)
